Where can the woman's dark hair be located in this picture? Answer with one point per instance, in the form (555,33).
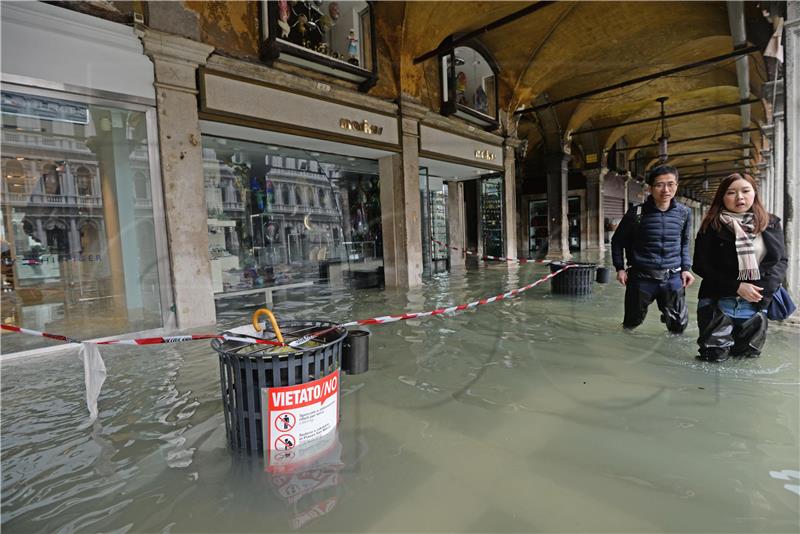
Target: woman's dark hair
(760,215)
(661,170)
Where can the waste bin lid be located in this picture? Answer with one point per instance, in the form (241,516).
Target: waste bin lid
(293,331)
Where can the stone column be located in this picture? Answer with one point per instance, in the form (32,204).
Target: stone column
(176,60)
(558,227)
(400,205)
(510,215)
(456,224)
(594,209)
(792,184)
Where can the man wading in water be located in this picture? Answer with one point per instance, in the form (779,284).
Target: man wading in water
(654,237)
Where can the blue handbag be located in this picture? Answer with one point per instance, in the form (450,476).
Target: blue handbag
(781,306)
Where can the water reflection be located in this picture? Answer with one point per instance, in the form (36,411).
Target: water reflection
(535,414)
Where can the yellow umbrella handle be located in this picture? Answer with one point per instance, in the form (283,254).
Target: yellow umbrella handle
(257,325)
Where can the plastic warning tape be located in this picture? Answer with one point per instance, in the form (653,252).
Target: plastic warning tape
(363,322)
(441,311)
(492,258)
(144,340)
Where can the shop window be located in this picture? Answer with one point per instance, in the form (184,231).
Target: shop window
(332,37)
(469,85)
(271,244)
(67,244)
(83,180)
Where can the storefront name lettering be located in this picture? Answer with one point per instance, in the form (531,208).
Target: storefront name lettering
(363,126)
(484,154)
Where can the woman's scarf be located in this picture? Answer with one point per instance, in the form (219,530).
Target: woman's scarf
(743,227)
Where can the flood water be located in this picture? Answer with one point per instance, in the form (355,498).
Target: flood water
(537,414)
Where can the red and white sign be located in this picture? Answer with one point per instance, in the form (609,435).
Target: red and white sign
(297,414)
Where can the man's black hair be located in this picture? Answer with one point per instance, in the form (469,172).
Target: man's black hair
(660,170)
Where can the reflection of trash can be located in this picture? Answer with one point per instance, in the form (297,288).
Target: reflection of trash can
(324,270)
(246,368)
(576,280)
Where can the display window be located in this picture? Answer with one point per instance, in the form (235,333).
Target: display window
(335,37)
(469,85)
(79,247)
(279,215)
(491,206)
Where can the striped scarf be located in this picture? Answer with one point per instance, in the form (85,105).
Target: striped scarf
(743,228)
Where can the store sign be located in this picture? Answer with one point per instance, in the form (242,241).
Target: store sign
(363,126)
(469,151)
(296,111)
(485,155)
(298,414)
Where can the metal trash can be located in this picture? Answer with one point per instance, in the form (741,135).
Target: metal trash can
(576,280)
(245,368)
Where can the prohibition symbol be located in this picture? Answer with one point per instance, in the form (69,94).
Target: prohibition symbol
(284,442)
(285,422)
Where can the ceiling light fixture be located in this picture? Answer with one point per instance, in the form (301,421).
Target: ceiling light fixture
(661,135)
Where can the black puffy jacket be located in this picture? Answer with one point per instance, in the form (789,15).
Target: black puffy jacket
(715,260)
(659,240)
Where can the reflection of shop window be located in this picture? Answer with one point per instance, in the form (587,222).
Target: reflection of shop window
(84,182)
(332,37)
(469,84)
(322,198)
(52,180)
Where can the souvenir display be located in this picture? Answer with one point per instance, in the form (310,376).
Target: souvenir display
(352,48)
(481,100)
(283,18)
(461,88)
(492,216)
(333,10)
(311,24)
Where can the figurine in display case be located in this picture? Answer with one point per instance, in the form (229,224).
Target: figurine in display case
(352,47)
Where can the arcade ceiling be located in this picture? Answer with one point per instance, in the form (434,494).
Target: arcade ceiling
(565,49)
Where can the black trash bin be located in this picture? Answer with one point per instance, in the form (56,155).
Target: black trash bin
(355,352)
(576,280)
(246,368)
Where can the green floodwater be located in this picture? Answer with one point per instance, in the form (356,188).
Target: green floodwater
(537,414)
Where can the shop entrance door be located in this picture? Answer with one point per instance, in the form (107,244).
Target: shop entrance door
(433,204)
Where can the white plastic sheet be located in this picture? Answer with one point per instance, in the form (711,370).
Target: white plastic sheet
(94,372)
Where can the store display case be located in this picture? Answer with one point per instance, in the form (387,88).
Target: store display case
(492,216)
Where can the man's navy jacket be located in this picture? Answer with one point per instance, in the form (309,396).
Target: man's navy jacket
(654,239)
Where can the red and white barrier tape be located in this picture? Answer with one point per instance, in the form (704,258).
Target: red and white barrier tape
(363,322)
(144,340)
(493,258)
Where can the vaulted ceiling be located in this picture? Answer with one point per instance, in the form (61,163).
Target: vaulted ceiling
(568,48)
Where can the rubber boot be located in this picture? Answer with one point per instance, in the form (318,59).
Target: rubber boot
(674,312)
(750,336)
(716,334)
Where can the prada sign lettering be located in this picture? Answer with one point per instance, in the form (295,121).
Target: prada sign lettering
(362,126)
(485,155)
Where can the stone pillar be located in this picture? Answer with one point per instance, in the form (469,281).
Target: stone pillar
(176,60)
(558,227)
(595,224)
(510,215)
(400,205)
(625,194)
(792,184)
(456,223)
